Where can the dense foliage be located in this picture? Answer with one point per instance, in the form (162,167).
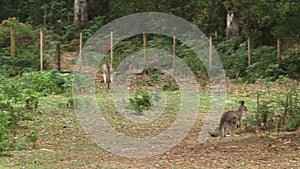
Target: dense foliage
(281,112)
(27,50)
(264,62)
(263,21)
(19,101)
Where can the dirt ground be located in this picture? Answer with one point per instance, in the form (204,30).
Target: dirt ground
(62,144)
(244,151)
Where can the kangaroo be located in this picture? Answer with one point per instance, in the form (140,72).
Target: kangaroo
(232,119)
(107,74)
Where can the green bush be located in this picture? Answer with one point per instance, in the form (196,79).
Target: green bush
(155,75)
(27,60)
(233,55)
(19,99)
(15,104)
(140,101)
(27,49)
(170,85)
(267,66)
(292,108)
(47,82)
(264,62)
(279,113)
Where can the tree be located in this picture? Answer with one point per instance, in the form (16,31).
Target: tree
(80,9)
(287,21)
(76,10)
(83,10)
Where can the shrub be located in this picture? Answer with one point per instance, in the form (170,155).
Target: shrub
(27,50)
(279,113)
(16,103)
(47,82)
(292,109)
(154,75)
(233,55)
(19,100)
(140,101)
(264,62)
(170,85)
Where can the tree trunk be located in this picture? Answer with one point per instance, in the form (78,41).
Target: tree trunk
(232,26)
(76,10)
(83,11)
(12,41)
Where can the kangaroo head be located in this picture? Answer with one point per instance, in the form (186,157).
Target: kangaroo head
(242,106)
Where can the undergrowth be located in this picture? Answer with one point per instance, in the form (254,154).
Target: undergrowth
(280,112)
(19,100)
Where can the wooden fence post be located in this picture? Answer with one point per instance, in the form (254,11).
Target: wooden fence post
(296,49)
(249,52)
(58,57)
(111,49)
(210,52)
(278,50)
(12,41)
(174,52)
(41,50)
(80,50)
(145,49)
(80,44)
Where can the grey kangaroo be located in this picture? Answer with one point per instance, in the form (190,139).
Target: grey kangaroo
(107,74)
(232,119)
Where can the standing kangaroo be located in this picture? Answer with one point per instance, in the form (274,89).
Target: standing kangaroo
(232,119)
(107,74)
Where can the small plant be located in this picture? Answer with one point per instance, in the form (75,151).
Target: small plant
(142,82)
(140,101)
(292,109)
(154,75)
(264,114)
(170,85)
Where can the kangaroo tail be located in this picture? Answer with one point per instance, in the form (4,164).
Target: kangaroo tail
(214,135)
(219,132)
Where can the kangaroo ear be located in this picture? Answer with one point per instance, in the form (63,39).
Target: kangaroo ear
(242,102)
